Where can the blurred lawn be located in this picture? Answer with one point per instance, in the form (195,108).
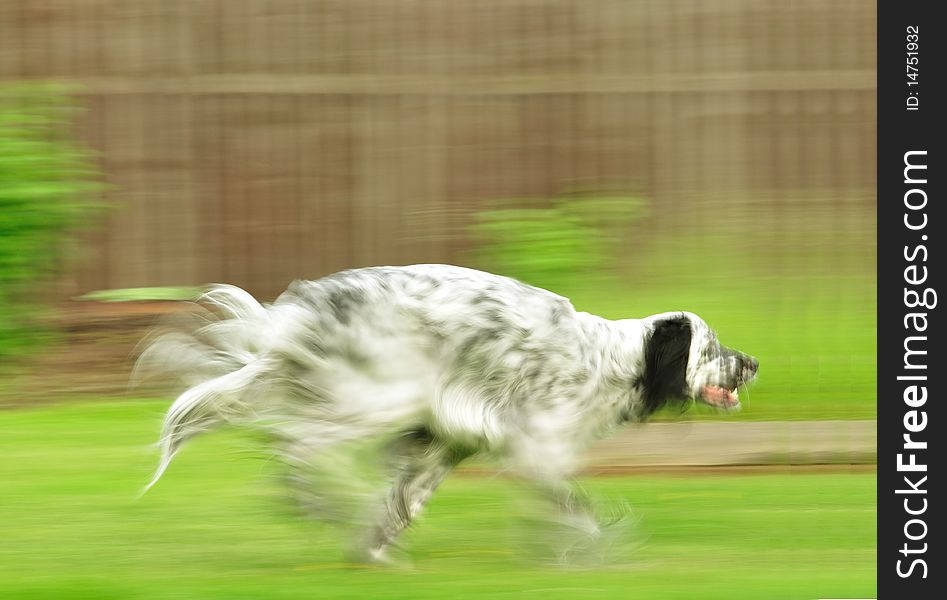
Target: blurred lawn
(73,528)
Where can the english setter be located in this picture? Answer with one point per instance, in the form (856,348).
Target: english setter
(444,362)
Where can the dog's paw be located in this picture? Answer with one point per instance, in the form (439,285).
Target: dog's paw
(378,557)
(584,541)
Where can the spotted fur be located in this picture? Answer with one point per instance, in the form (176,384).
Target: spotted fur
(446,362)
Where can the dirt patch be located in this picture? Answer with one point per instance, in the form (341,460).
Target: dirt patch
(691,470)
(92,356)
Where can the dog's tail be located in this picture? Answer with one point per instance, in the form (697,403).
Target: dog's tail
(223,363)
(202,408)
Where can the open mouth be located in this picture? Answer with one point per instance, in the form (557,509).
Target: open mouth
(720,397)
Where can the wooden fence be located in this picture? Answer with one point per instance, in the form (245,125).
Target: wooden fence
(255,141)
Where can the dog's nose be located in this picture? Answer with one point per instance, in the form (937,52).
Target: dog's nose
(751,364)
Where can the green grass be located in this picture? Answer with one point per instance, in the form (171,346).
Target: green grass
(73,528)
(143,294)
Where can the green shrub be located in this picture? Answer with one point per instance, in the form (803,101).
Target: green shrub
(556,244)
(48,187)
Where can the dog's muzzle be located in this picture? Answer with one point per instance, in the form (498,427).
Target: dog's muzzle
(743,368)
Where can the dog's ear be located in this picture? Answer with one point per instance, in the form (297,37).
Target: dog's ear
(665,357)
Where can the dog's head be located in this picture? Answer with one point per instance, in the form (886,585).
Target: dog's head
(683,360)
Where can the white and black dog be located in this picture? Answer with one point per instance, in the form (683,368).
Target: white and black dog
(446,362)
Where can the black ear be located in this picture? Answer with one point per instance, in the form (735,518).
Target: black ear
(665,358)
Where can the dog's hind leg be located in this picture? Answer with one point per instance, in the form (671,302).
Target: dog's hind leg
(420,464)
(322,471)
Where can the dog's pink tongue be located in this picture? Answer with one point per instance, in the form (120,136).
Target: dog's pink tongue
(719,397)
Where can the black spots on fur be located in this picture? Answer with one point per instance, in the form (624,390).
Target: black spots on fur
(354,357)
(433,327)
(579,377)
(419,286)
(343,300)
(556,313)
(491,334)
(313,343)
(421,435)
(384,285)
(294,366)
(666,350)
(532,372)
(420,446)
(478,341)
(301,294)
(495,319)
(709,351)
(432,282)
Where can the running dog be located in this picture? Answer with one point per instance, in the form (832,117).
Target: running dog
(443,362)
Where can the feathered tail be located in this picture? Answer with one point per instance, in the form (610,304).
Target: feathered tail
(219,362)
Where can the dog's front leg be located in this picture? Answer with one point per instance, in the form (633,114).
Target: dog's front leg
(422,463)
(578,535)
(566,529)
(569,528)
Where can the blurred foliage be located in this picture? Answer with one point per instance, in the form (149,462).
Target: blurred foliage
(552,244)
(48,187)
(145,294)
